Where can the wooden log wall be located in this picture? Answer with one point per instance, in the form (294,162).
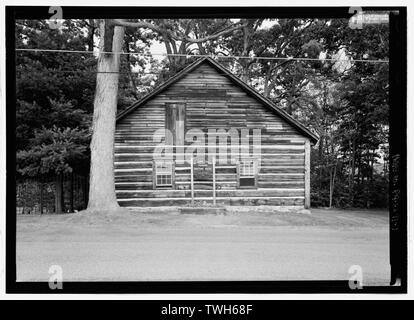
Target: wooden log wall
(212,102)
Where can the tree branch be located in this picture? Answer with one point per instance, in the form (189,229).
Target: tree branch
(214,36)
(141,24)
(162,31)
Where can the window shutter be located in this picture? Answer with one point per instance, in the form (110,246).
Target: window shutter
(175,122)
(180,125)
(170,118)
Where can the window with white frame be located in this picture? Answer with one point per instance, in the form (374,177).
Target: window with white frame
(163,176)
(247,173)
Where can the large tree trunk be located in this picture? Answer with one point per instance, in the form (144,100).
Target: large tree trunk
(102,187)
(91,33)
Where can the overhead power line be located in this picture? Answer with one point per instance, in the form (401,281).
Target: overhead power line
(201,55)
(121,72)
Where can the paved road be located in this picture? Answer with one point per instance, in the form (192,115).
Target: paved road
(170,247)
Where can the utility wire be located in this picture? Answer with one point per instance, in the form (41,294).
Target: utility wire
(121,72)
(200,55)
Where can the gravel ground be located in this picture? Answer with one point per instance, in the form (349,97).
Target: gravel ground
(162,245)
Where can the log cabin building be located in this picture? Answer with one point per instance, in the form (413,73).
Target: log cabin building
(205,137)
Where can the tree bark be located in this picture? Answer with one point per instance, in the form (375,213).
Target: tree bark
(59,203)
(102,183)
(91,32)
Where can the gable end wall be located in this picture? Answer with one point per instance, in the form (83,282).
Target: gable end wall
(212,102)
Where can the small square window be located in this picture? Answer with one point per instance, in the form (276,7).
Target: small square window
(247,173)
(163,173)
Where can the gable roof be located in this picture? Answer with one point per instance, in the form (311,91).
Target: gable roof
(248,89)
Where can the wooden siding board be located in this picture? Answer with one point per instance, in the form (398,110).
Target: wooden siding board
(244,201)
